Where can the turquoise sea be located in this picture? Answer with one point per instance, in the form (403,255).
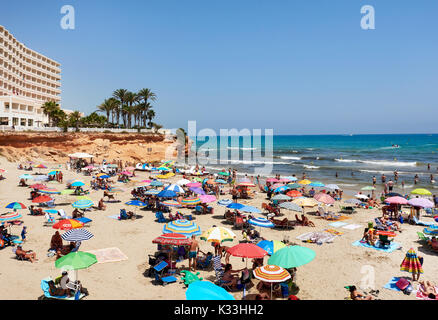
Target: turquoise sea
(355,158)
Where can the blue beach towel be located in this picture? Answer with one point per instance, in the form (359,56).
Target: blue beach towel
(391,284)
(116,217)
(337,224)
(391,248)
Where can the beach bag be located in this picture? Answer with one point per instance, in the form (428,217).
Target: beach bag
(408,289)
(402,284)
(401,219)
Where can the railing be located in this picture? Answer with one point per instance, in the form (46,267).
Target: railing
(55,129)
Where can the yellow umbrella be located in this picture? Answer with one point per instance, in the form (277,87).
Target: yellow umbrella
(305,181)
(166,176)
(421,191)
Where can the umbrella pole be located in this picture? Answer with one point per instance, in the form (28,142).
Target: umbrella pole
(271,290)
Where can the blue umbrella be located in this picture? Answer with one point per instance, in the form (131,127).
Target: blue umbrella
(25,176)
(167,194)
(105,176)
(225,202)
(235,205)
(317,184)
(261,222)
(152,192)
(136,203)
(281,189)
(82,204)
(75,235)
(250,209)
(77,184)
(175,188)
(156,183)
(291,178)
(205,290)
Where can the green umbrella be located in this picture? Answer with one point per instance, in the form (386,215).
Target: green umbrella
(224,174)
(421,191)
(367,188)
(76,260)
(293,186)
(292,257)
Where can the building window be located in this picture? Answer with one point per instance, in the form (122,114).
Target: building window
(30,122)
(15,121)
(23,122)
(4,121)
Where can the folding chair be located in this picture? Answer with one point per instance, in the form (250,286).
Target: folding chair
(160,279)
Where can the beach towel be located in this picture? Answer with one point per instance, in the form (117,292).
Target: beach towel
(335,232)
(108,255)
(337,224)
(391,248)
(321,237)
(352,226)
(421,296)
(391,285)
(116,217)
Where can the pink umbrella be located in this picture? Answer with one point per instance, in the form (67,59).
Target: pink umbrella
(277,185)
(396,200)
(271,180)
(283,180)
(194,184)
(126,173)
(324,198)
(421,202)
(207,198)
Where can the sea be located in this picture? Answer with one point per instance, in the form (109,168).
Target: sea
(355,159)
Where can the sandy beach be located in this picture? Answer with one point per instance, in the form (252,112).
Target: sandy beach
(336,265)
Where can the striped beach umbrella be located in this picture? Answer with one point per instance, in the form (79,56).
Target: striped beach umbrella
(12,216)
(291,206)
(225,202)
(75,235)
(40,166)
(174,239)
(218,234)
(185,227)
(271,273)
(42,199)
(68,224)
(271,246)
(152,192)
(49,191)
(261,222)
(83,204)
(281,197)
(15,206)
(171,203)
(305,202)
(191,201)
(250,209)
(324,198)
(175,188)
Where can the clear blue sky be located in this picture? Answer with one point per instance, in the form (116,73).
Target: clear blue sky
(300,67)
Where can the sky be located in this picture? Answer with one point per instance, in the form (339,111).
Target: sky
(295,66)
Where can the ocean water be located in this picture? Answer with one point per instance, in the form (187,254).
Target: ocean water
(355,158)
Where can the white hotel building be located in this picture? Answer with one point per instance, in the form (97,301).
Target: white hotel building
(27,80)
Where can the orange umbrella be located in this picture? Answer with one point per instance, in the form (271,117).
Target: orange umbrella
(68,224)
(294,193)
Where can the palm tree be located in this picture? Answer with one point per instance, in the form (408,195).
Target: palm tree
(130,98)
(74,119)
(49,109)
(109,106)
(150,115)
(146,95)
(120,94)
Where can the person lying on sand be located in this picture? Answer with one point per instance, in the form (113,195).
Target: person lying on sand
(428,289)
(356,295)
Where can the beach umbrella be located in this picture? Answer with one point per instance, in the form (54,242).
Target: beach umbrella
(305,202)
(284,180)
(421,202)
(271,274)
(105,176)
(221,181)
(246,184)
(76,260)
(167,194)
(166,176)
(136,203)
(82,204)
(197,190)
(38,186)
(291,206)
(206,290)
(317,184)
(235,205)
(53,172)
(422,192)
(293,186)
(12,216)
(304,182)
(174,239)
(393,194)
(247,250)
(194,184)
(191,201)
(281,189)
(333,187)
(368,188)
(271,246)
(15,206)
(182,226)
(40,166)
(272,180)
(223,174)
(207,198)
(156,183)
(324,198)
(42,199)
(361,196)
(171,203)
(25,176)
(291,178)
(152,192)
(68,224)
(261,222)
(281,197)
(411,263)
(78,184)
(250,209)
(292,257)
(353,201)
(41,178)
(2,170)
(75,235)
(218,234)
(49,191)
(183,182)
(396,200)
(294,194)
(225,202)
(277,185)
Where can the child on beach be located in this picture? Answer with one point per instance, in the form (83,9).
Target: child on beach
(23,233)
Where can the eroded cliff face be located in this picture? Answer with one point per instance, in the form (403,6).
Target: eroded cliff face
(55,147)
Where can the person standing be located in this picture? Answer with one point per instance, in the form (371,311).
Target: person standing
(23,233)
(193,253)
(374,180)
(412,264)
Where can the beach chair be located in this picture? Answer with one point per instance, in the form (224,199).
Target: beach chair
(47,295)
(62,215)
(379,225)
(50,221)
(422,237)
(160,217)
(205,264)
(421,223)
(159,279)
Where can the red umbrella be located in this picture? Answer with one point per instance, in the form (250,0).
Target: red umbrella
(42,199)
(294,193)
(247,250)
(175,239)
(38,186)
(68,224)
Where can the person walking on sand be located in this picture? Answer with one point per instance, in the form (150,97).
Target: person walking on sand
(412,264)
(193,253)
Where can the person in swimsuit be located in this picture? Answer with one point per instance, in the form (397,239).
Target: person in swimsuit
(355,295)
(428,289)
(193,253)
